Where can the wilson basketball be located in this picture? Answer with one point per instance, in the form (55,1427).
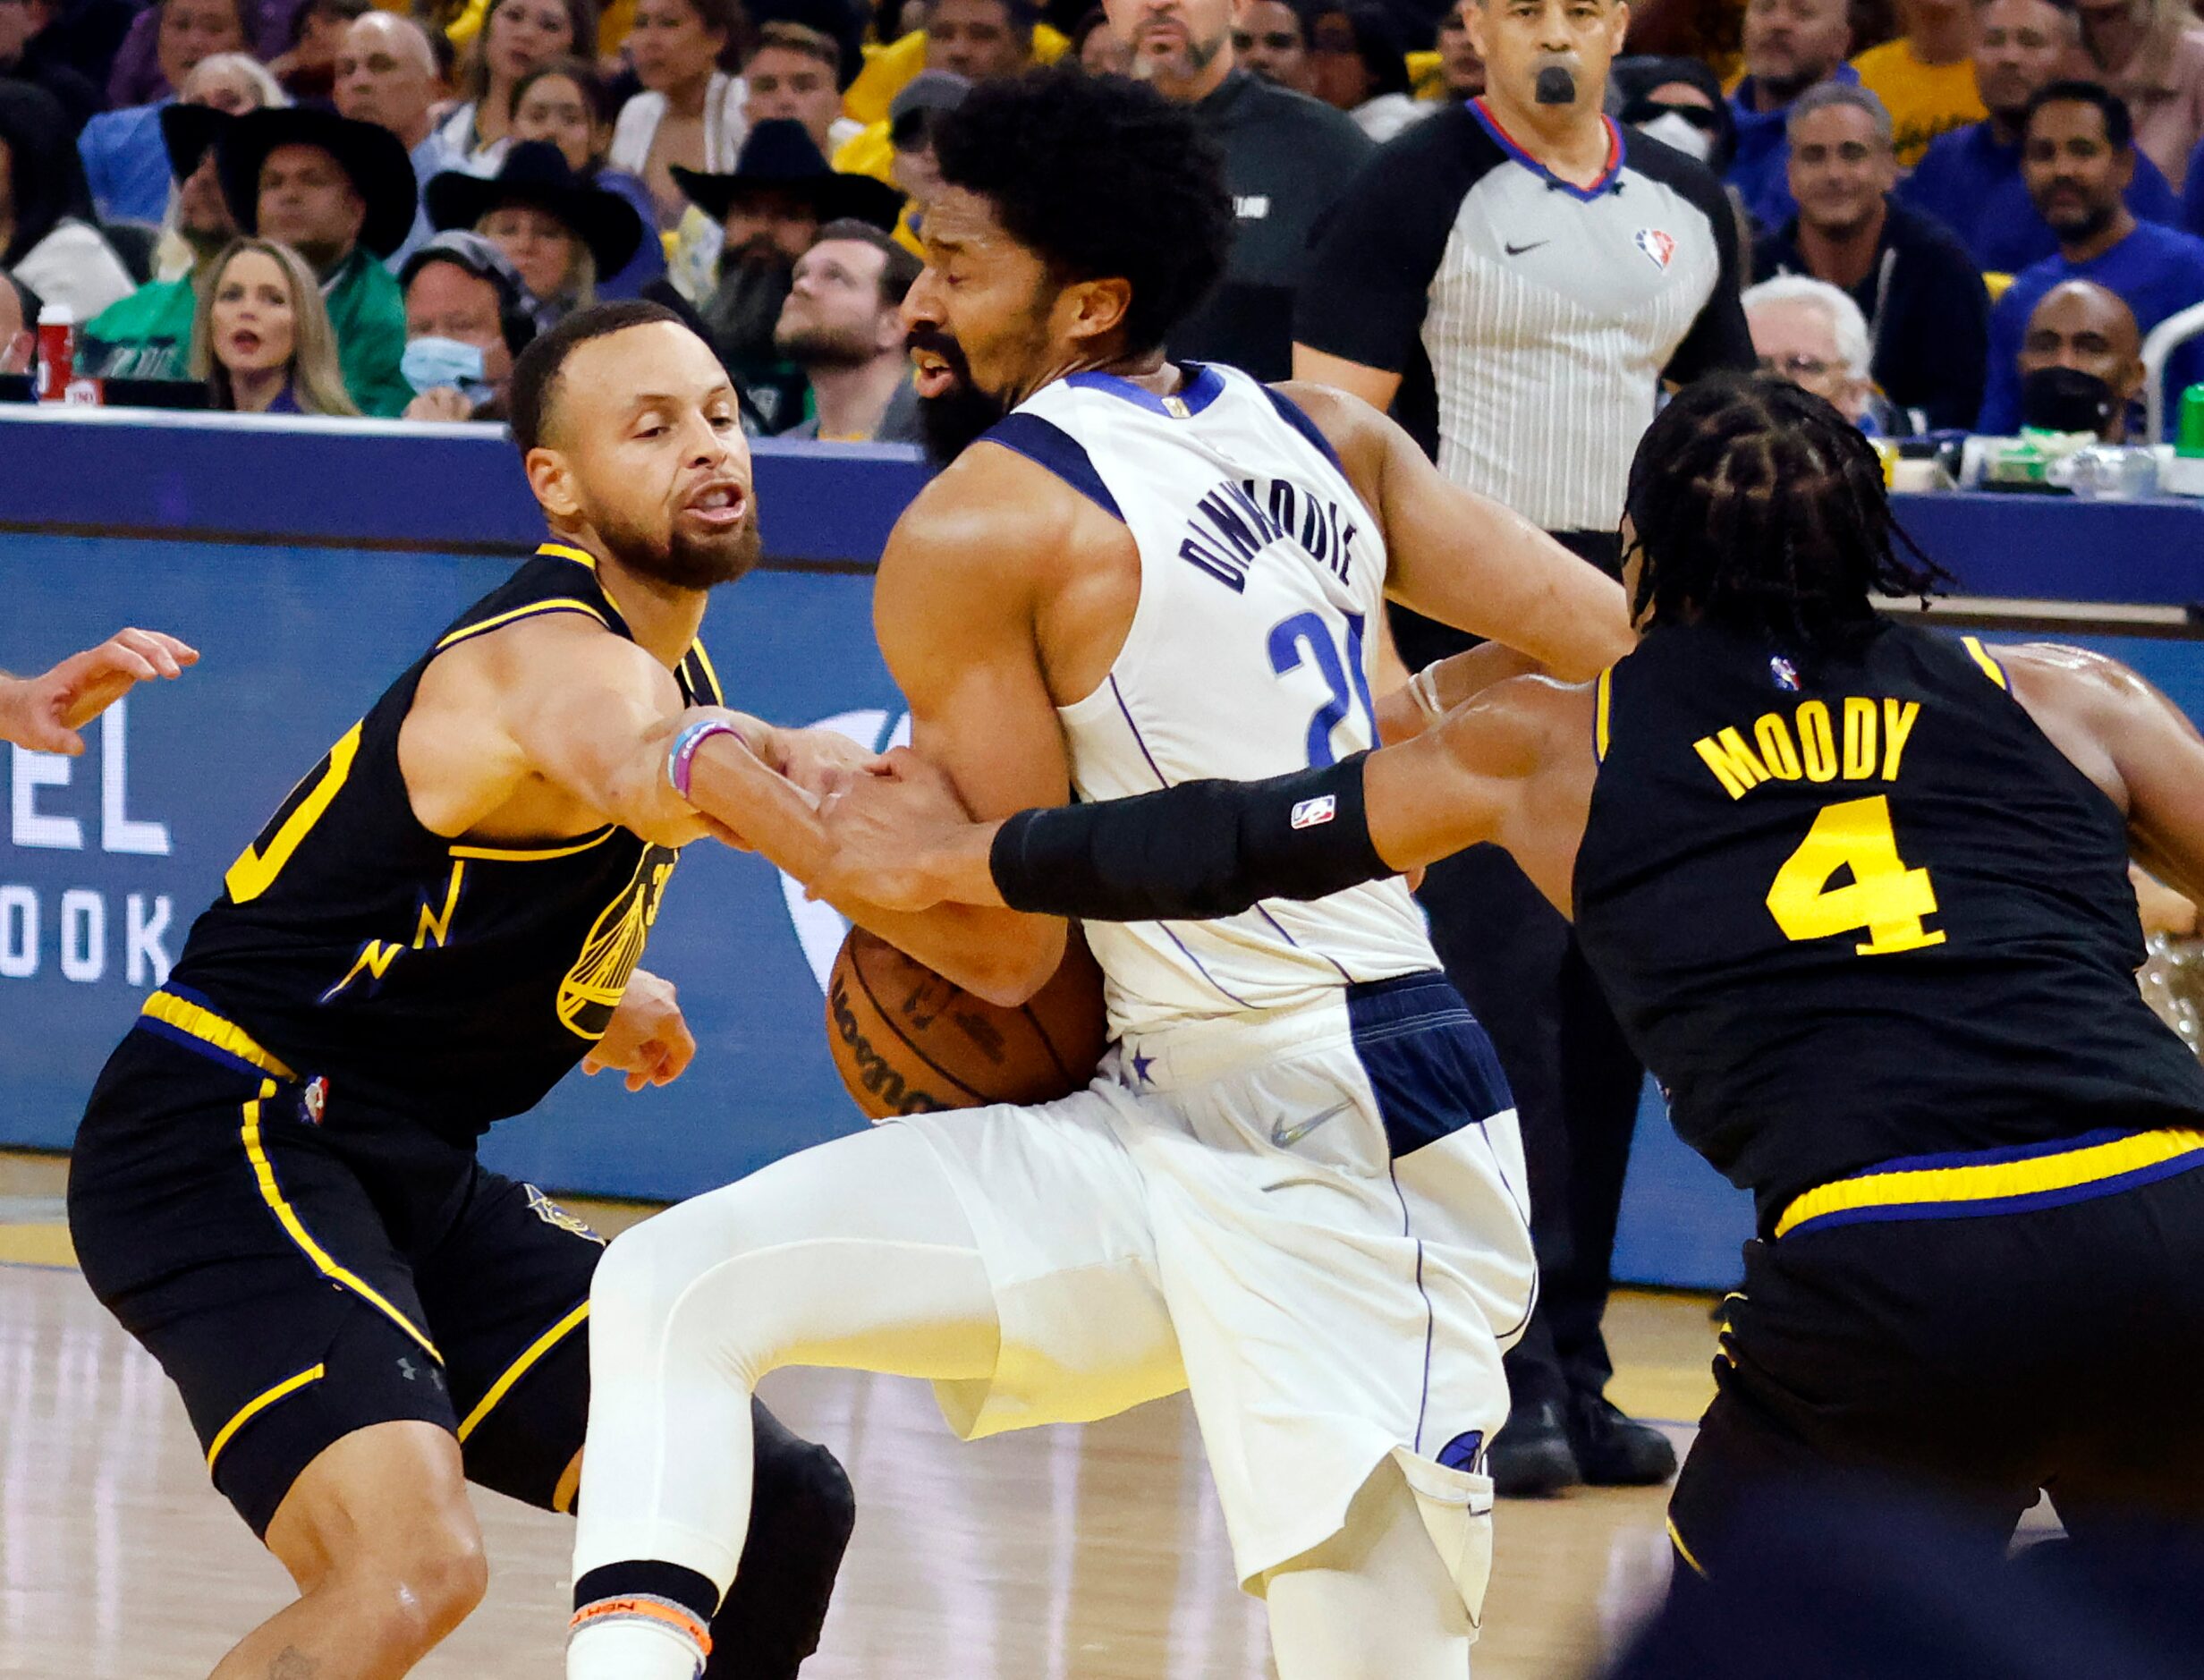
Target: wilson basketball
(907,1041)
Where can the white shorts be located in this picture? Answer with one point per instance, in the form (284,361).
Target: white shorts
(1315,1220)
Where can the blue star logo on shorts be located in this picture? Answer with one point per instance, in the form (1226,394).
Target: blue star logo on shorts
(1140,1065)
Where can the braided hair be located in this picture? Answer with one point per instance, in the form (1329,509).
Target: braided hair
(1758,505)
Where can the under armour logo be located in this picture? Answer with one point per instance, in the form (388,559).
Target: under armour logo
(405,1368)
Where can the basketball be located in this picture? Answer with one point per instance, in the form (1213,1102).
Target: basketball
(907,1041)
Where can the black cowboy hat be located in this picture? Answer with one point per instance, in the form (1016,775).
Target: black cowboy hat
(187,131)
(536,173)
(779,156)
(375,158)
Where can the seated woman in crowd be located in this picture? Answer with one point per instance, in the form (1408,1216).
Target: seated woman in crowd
(689,111)
(262,340)
(556,226)
(569,103)
(516,37)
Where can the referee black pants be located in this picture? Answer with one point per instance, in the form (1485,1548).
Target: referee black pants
(1513,956)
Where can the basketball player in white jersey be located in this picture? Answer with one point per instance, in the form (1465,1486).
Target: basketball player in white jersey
(1296,1186)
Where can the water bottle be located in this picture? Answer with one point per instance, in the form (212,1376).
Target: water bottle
(57,351)
(2183,475)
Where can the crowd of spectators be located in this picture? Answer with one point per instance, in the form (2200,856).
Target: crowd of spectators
(1987,184)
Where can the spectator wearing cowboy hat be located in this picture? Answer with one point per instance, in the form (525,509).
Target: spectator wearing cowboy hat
(557,228)
(569,104)
(467,315)
(148,335)
(769,211)
(341,194)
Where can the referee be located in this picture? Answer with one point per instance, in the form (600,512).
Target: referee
(1517,278)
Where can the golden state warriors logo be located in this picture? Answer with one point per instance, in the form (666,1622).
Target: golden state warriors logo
(551,1214)
(599,980)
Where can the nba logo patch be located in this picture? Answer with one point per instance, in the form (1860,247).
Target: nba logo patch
(1314,813)
(1785,674)
(315,1100)
(1658,246)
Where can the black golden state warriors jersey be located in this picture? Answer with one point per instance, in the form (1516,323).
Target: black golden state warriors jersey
(449,981)
(1862,910)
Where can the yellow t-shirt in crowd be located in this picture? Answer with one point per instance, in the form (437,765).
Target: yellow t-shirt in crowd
(1924,100)
(889,67)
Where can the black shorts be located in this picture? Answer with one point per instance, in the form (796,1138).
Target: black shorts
(1970,1359)
(300,1277)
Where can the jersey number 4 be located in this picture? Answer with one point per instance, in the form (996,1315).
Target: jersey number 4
(1883,896)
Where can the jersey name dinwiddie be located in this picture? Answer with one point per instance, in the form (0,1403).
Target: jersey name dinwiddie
(1261,577)
(430,979)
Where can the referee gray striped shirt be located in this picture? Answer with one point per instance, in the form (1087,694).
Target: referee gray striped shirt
(1548,314)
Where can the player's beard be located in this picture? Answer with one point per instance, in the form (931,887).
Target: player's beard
(680,561)
(962,415)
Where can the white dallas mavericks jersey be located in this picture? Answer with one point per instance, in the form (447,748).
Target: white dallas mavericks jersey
(1262,577)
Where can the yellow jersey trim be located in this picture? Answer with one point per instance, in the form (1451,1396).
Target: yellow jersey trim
(567,551)
(519,1368)
(1995,672)
(255,872)
(718,696)
(1973,1185)
(210,1028)
(1599,717)
(258,1403)
(271,1192)
(1684,1552)
(525,854)
(556,604)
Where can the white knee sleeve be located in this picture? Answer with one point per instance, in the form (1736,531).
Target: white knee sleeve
(854,1254)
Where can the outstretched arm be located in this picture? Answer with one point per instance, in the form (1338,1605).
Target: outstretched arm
(2129,739)
(1212,848)
(1465,560)
(954,610)
(43,713)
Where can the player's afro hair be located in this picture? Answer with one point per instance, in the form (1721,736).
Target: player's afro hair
(1102,178)
(1757,505)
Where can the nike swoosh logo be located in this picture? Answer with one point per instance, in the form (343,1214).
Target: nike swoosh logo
(1517,250)
(1286,1136)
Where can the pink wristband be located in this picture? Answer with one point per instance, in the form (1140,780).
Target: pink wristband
(684,751)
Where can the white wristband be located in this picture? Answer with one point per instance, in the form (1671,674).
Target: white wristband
(1423,689)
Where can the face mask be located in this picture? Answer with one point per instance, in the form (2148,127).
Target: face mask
(430,362)
(1673,129)
(2064,400)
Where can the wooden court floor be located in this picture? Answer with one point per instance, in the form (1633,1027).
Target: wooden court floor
(1093,1553)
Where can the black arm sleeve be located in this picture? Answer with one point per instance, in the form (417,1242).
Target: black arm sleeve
(1192,853)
